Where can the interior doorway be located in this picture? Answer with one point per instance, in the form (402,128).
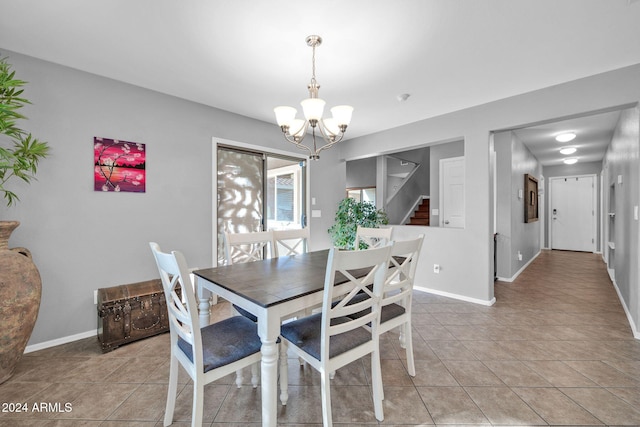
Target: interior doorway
(573,213)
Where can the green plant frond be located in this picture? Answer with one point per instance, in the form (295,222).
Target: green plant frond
(22,158)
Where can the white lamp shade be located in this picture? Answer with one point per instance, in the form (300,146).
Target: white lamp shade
(313,108)
(331,126)
(342,114)
(296,127)
(284,115)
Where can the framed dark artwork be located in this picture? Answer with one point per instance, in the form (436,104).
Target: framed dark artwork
(119,165)
(530,198)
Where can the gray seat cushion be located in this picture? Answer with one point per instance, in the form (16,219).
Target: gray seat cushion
(245,313)
(388,311)
(225,342)
(305,334)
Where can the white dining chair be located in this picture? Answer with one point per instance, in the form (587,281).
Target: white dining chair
(368,238)
(291,242)
(331,339)
(206,354)
(397,295)
(248,247)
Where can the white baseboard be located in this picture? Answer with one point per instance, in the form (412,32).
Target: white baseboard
(59,341)
(455,296)
(636,333)
(511,279)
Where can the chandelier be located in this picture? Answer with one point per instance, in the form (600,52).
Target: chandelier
(330,129)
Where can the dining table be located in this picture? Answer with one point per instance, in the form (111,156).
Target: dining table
(271,289)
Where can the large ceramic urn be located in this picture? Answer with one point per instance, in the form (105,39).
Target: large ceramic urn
(20,291)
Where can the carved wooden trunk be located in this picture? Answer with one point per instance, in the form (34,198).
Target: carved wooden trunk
(128,313)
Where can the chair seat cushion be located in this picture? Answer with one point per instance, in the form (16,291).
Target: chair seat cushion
(225,342)
(305,333)
(388,311)
(245,313)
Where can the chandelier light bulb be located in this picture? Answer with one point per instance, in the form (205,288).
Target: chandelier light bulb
(331,130)
(284,115)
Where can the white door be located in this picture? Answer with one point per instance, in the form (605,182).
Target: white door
(452,192)
(573,213)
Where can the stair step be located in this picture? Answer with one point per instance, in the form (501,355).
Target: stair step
(419,221)
(421,214)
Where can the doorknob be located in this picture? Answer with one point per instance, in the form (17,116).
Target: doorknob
(446,221)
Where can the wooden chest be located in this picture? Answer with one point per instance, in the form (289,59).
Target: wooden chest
(128,313)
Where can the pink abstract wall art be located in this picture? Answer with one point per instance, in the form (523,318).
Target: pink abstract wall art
(119,165)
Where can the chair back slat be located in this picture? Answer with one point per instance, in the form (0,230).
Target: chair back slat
(291,242)
(247,247)
(182,311)
(398,286)
(369,238)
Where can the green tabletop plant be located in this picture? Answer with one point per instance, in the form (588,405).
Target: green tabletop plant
(20,152)
(350,214)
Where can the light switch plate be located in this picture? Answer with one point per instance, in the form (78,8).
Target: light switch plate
(316,213)
(435,212)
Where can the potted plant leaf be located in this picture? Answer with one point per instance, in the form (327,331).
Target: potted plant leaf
(20,283)
(349,215)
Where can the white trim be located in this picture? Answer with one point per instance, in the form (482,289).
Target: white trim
(456,296)
(636,332)
(511,279)
(59,341)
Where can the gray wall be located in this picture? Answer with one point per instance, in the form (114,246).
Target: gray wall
(466,255)
(513,160)
(82,240)
(361,173)
(439,152)
(623,159)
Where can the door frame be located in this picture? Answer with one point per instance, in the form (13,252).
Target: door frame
(214,181)
(594,198)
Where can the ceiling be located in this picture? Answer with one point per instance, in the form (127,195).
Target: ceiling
(249,56)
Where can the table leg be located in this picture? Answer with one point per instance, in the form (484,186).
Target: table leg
(269,372)
(204,307)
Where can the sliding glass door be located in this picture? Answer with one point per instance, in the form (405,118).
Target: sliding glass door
(258,191)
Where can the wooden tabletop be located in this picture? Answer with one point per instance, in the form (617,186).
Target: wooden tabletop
(272,281)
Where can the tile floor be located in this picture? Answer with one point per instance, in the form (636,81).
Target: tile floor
(555,349)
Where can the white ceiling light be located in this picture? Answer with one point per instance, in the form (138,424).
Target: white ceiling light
(565,137)
(568,150)
(331,129)
(570,160)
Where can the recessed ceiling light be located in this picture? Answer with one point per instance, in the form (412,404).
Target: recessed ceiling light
(568,150)
(565,137)
(570,160)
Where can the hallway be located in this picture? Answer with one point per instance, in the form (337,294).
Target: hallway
(556,349)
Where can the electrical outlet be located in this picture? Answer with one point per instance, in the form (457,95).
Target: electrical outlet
(95,297)
(436,268)
(519,256)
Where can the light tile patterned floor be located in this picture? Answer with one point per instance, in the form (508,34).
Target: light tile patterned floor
(555,349)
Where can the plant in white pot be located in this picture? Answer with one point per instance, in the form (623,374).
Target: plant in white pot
(20,284)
